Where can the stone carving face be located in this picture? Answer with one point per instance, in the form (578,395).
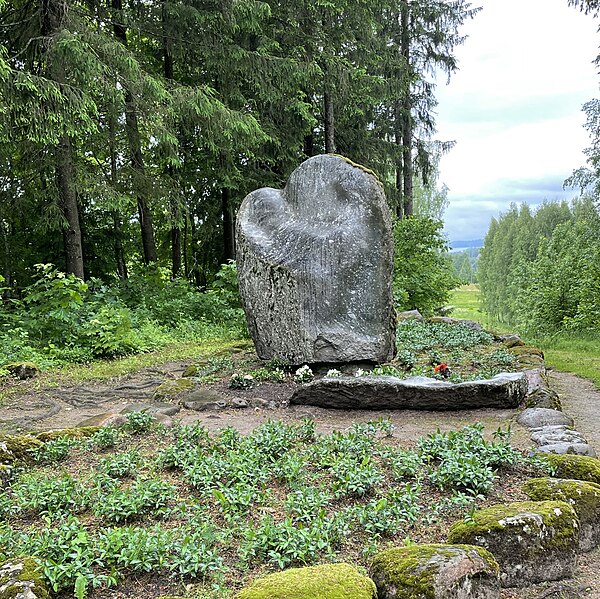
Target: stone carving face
(315,265)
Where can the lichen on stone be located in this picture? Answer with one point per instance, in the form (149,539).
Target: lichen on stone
(79,432)
(584,496)
(331,581)
(577,467)
(173,388)
(533,541)
(412,571)
(17,448)
(22,578)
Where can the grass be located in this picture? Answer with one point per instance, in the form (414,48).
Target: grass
(577,354)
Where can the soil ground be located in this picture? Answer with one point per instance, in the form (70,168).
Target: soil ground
(31,406)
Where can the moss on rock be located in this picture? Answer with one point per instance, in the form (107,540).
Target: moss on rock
(331,581)
(22,577)
(173,388)
(577,467)
(526,350)
(533,541)
(22,370)
(79,432)
(582,495)
(435,571)
(17,448)
(544,398)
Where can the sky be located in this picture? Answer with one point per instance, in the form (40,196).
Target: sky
(514,109)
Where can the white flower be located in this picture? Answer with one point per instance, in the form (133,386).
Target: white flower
(333,373)
(359,372)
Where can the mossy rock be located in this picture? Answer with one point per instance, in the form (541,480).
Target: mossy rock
(533,541)
(436,572)
(191,370)
(544,398)
(17,448)
(22,578)
(577,467)
(22,370)
(583,496)
(172,389)
(331,581)
(526,350)
(79,432)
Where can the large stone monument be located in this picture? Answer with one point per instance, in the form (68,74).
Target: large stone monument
(315,266)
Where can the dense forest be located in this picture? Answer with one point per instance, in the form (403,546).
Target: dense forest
(540,271)
(131,131)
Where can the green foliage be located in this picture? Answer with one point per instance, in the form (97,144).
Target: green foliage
(540,272)
(429,335)
(62,319)
(423,272)
(199,504)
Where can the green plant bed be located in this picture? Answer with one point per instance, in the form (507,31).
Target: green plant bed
(225,508)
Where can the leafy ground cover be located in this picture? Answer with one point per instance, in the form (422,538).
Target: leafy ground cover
(187,506)
(577,353)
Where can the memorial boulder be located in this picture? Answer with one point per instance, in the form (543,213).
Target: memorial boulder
(315,266)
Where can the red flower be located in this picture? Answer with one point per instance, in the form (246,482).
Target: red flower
(440,368)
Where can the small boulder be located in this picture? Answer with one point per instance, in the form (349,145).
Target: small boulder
(330,581)
(578,467)
(533,541)
(18,448)
(173,389)
(568,448)
(511,340)
(205,400)
(544,398)
(583,496)
(104,419)
(538,417)
(168,409)
(409,315)
(22,370)
(23,578)
(549,435)
(436,572)
(77,432)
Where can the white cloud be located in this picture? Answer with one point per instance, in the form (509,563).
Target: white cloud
(514,108)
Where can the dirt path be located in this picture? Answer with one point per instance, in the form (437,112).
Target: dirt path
(580,400)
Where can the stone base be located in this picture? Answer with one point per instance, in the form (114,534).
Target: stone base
(505,390)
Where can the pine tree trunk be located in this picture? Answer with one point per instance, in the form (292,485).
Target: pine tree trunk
(53,15)
(65,182)
(329,124)
(407,126)
(174,205)
(228,226)
(7,266)
(135,148)
(118,246)
(117,236)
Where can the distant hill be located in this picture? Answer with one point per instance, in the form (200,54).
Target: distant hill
(466,244)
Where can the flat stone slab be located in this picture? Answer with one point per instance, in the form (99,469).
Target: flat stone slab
(549,437)
(505,390)
(566,448)
(538,417)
